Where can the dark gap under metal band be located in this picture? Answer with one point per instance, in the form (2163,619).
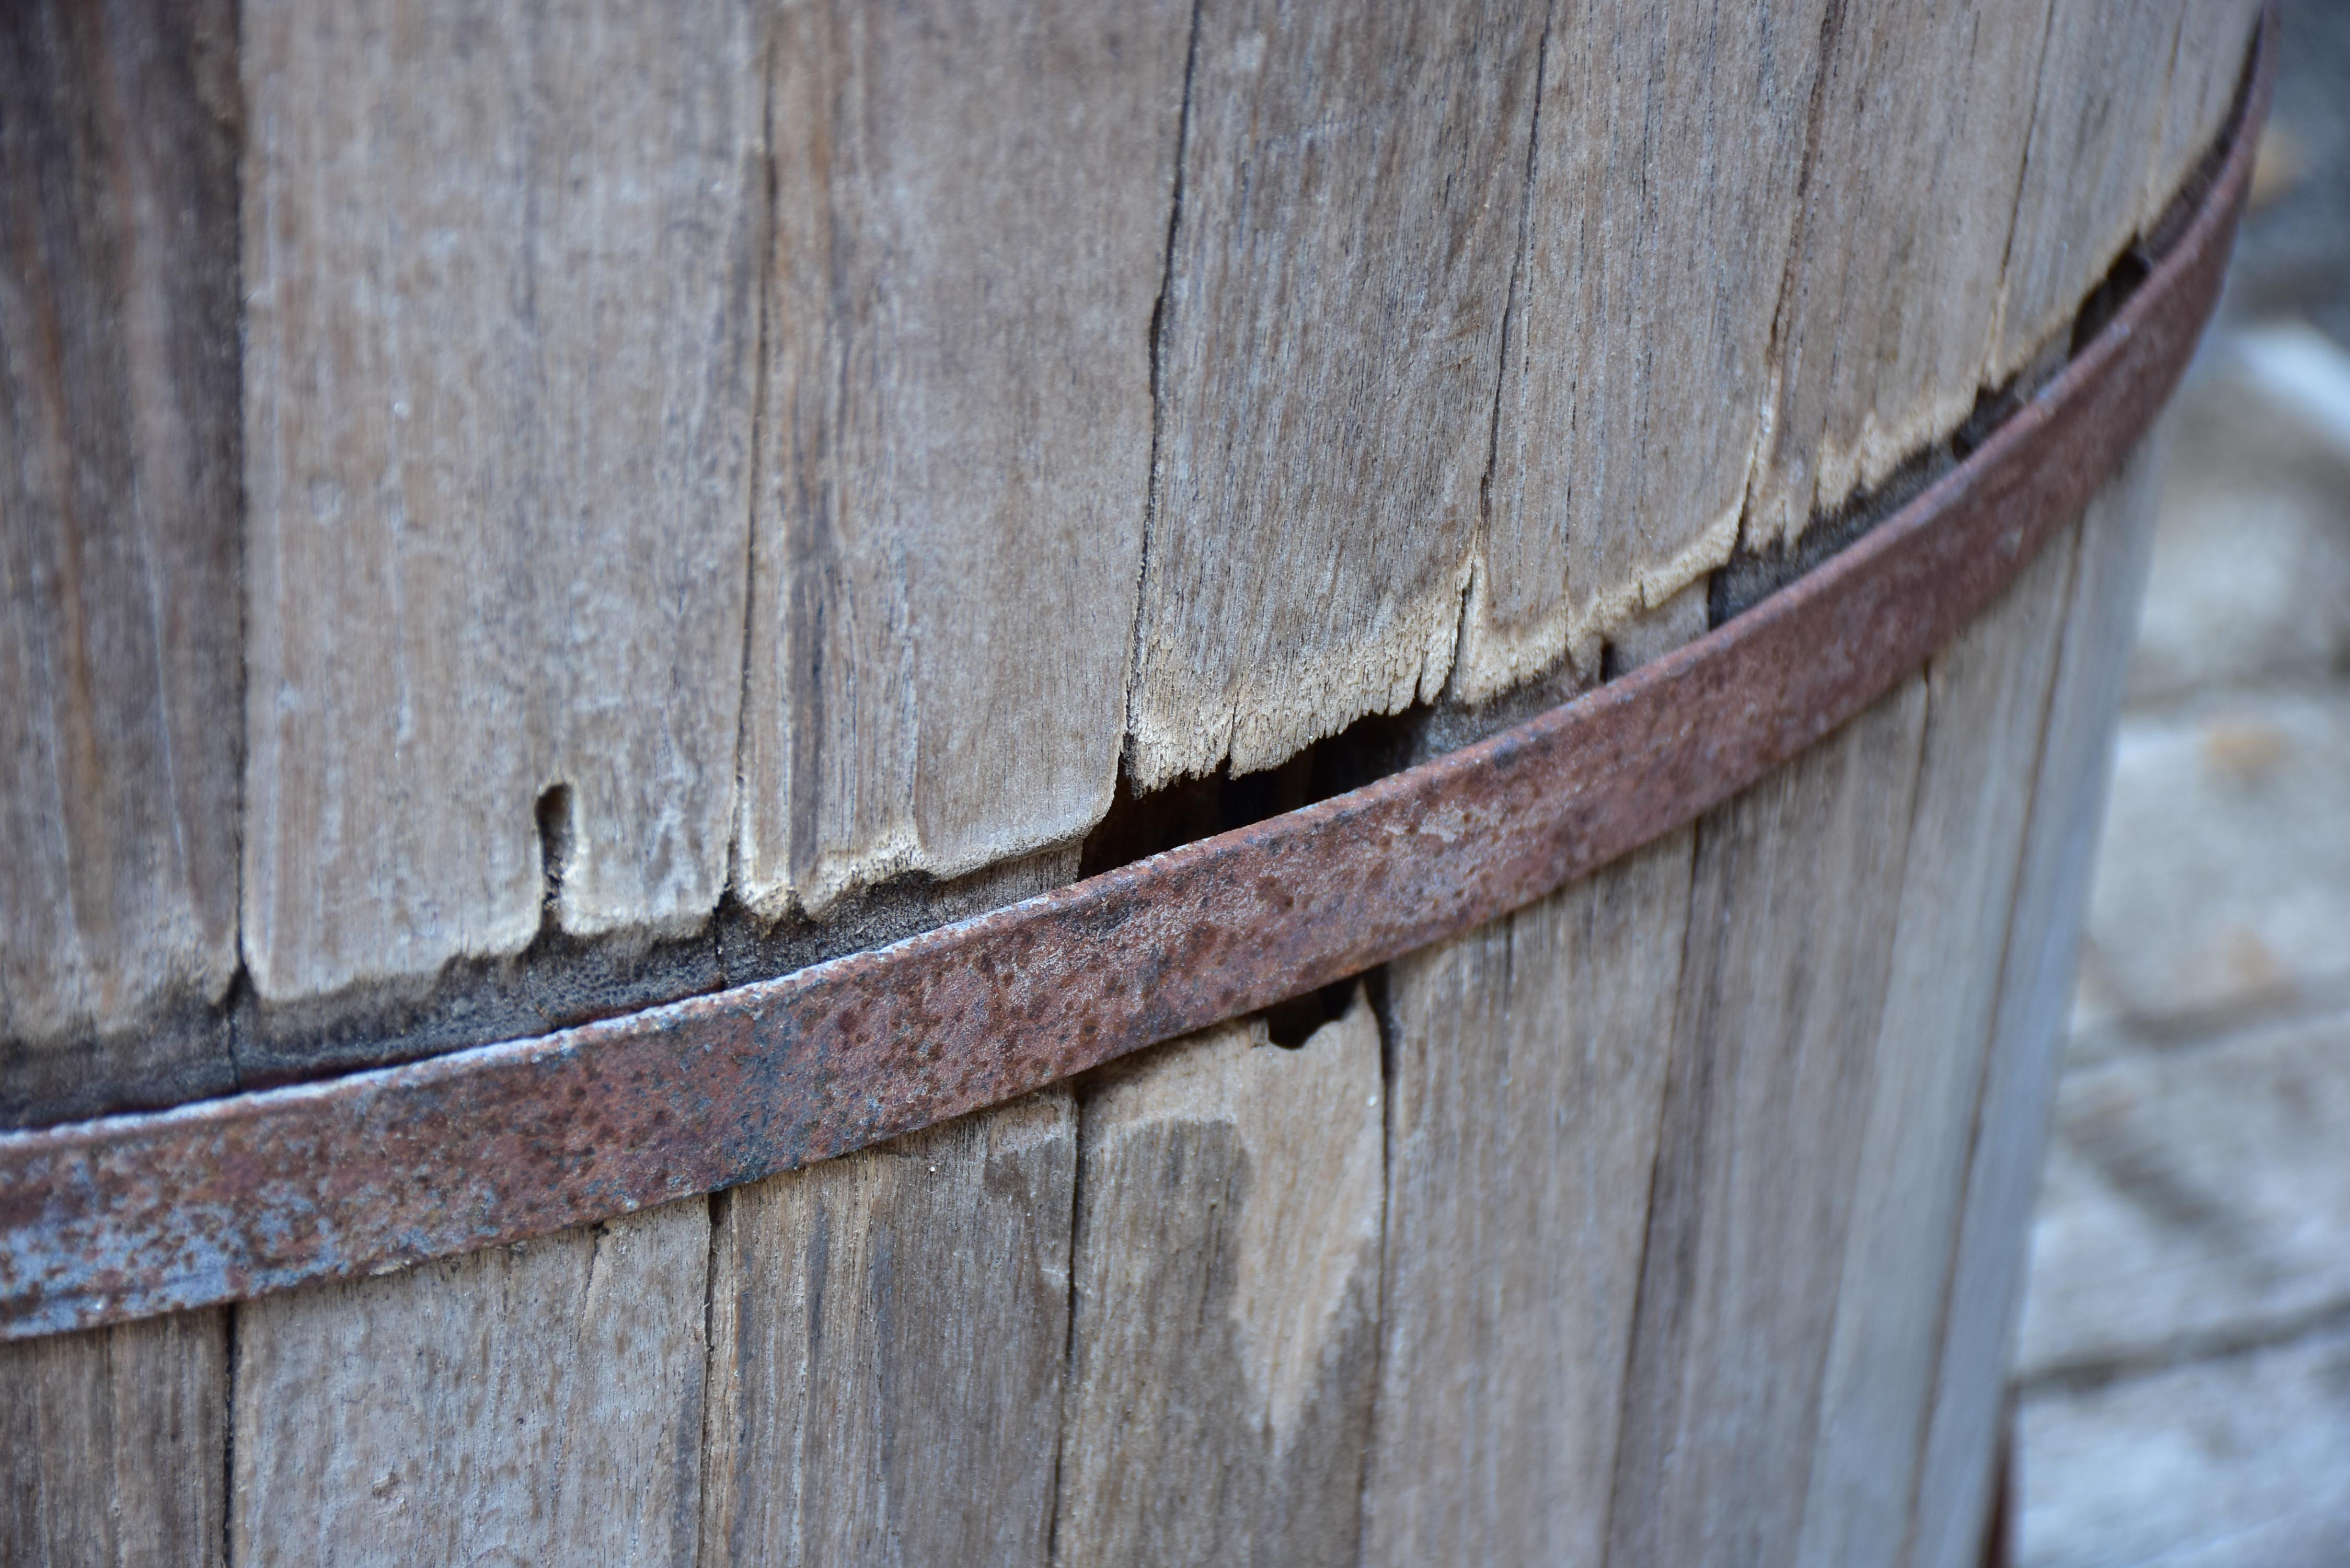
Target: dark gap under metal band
(132,1215)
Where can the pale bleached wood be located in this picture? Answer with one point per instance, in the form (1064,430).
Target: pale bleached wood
(538,1403)
(502,274)
(1986,705)
(1226,1322)
(501,268)
(118,552)
(2019,1086)
(113,1445)
(1650,634)
(2206,65)
(1795,891)
(2097,127)
(1662,195)
(888,1333)
(970,222)
(1353,178)
(1528,1072)
(1909,190)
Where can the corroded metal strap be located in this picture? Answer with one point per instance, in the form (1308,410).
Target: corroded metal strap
(138,1214)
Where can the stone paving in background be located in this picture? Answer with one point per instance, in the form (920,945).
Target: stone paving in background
(2183,1364)
(2184,1358)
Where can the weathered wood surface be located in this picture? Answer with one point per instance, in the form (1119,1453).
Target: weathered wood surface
(112,1445)
(2119,116)
(969,223)
(1986,709)
(2035,988)
(2207,64)
(539,1403)
(715,448)
(1221,1358)
(1316,1316)
(1791,914)
(888,1333)
(1908,196)
(1527,1081)
(500,323)
(118,549)
(1337,276)
(1660,198)
(719,449)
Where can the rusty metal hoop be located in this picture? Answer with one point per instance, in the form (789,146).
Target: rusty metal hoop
(132,1215)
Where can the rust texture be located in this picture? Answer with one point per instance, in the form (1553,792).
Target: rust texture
(134,1215)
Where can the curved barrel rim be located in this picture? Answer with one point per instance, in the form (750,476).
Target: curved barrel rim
(129,1216)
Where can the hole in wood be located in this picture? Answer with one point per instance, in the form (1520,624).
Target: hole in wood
(555,829)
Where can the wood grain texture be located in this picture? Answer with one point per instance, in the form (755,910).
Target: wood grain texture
(955,448)
(1353,178)
(2096,128)
(1909,192)
(888,1333)
(500,335)
(112,1445)
(1650,634)
(1662,196)
(118,552)
(2206,65)
(1986,704)
(1529,1065)
(1794,892)
(2019,1086)
(1226,1325)
(540,1403)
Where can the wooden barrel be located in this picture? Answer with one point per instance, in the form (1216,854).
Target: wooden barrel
(550,543)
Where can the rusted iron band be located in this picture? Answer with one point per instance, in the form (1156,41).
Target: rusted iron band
(132,1215)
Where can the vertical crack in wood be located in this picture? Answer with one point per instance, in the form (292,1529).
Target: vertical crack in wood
(1053,1507)
(1990,356)
(1152,490)
(1767,415)
(1474,575)
(240,980)
(1626,1387)
(731,891)
(699,1501)
(229,1317)
(1379,997)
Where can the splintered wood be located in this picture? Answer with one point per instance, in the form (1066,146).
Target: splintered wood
(970,209)
(500,320)
(1907,197)
(2103,134)
(1679,1205)
(1341,255)
(1619,1226)
(727,450)
(1659,200)
(483,481)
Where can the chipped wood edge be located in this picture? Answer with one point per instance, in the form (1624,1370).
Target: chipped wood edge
(129,1216)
